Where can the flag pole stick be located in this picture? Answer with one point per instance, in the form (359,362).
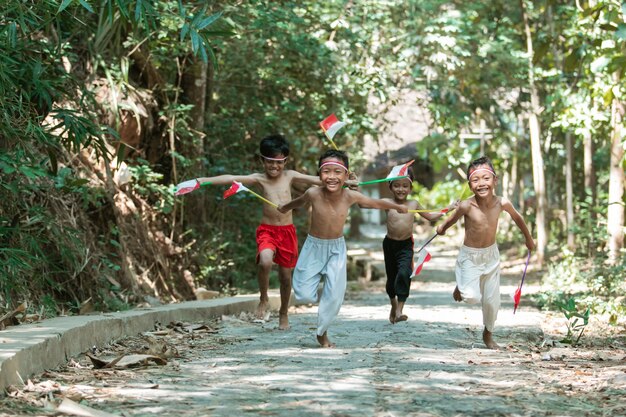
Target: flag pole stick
(443,210)
(424,245)
(331,141)
(382,180)
(523,276)
(262,198)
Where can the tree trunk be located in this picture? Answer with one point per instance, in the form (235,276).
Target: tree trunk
(589,170)
(615,215)
(569,191)
(535,145)
(194,87)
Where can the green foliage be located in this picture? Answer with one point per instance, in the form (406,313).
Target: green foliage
(591,282)
(441,195)
(576,321)
(148,184)
(279,67)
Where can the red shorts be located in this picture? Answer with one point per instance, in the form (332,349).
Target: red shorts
(281,240)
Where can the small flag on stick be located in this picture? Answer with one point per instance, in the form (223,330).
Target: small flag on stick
(422,257)
(330,126)
(396,173)
(442,211)
(239,187)
(400,171)
(518,292)
(187,187)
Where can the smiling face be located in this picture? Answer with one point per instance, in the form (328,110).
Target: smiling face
(401,189)
(274,166)
(333,173)
(482,181)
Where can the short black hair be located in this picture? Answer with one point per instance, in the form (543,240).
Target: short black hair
(409,174)
(274,145)
(483,160)
(334,153)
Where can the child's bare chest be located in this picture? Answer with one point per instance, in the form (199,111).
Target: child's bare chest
(277,191)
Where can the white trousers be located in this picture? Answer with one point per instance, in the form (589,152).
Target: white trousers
(319,258)
(478,279)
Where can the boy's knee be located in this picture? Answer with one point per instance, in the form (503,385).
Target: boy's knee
(266,259)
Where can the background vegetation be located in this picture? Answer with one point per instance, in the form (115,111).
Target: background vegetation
(106,104)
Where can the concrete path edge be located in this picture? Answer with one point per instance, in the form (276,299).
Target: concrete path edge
(29,349)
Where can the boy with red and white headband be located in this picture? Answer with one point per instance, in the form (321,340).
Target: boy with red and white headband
(324,251)
(478,263)
(276,235)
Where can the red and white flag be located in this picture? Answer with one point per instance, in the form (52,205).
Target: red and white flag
(187,187)
(331,125)
(234,189)
(422,257)
(400,170)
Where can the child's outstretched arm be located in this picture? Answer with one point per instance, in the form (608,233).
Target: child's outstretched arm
(295,203)
(367,202)
(251,179)
(430,216)
(461,210)
(300,178)
(519,221)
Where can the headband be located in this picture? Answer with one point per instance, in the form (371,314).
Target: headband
(273,159)
(481,169)
(333,163)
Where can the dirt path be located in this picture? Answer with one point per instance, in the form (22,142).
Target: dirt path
(432,365)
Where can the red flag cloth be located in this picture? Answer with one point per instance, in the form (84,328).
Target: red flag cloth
(331,125)
(234,189)
(187,187)
(423,257)
(518,292)
(400,170)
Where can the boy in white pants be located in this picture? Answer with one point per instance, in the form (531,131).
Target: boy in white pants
(478,263)
(324,252)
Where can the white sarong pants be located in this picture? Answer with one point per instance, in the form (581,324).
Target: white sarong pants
(319,258)
(478,279)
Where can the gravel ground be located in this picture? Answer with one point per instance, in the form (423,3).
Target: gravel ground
(434,364)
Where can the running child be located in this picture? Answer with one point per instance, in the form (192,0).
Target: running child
(398,245)
(324,251)
(478,263)
(276,235)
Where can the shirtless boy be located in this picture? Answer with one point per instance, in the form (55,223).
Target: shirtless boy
(398,245)
(478,263)
(276,235)
(324,251)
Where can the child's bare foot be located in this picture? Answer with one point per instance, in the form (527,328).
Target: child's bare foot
(488,339)
(456,294)
(400,316)
(325,341)
(260,310)
(283,321)
(392,313)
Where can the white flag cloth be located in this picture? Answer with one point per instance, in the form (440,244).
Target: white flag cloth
(422,257)
(331,125)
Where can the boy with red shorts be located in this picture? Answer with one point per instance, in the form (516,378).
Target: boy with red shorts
(276,235)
